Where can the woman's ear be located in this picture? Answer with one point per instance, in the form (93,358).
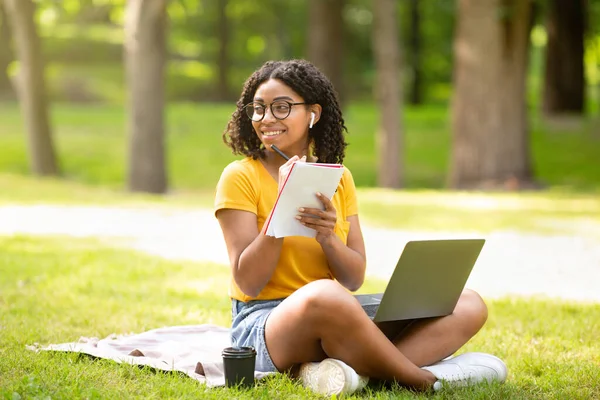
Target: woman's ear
(315,114)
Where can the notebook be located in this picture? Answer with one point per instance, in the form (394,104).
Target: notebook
(299,190)
(428,280)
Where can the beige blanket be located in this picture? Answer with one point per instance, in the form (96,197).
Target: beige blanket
(194,350)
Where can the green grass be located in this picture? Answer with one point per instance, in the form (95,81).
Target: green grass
(54,290)
(422,210)
(22,189)
(543,213)
(92,144)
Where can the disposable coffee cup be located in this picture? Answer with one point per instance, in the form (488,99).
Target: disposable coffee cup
(238,363)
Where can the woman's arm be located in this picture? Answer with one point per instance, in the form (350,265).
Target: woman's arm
(346,261)
(253,256)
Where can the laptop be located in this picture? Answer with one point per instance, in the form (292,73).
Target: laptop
(428,280)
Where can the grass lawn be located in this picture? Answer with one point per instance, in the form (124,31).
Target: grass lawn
(54,290)
(431,210)
(92,145)
(57,289)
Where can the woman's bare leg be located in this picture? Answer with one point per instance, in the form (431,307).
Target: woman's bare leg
(323,320)
(428,341)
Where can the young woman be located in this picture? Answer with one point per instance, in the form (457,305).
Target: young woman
(291,297)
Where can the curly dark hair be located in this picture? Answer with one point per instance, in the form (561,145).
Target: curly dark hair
(314,87)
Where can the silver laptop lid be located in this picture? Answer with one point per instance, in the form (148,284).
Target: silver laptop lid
(429,278)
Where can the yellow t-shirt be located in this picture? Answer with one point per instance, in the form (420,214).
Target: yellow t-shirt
(247,185)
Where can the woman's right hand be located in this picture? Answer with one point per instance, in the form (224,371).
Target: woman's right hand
(285,169)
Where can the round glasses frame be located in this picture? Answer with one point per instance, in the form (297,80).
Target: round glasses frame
(251,108)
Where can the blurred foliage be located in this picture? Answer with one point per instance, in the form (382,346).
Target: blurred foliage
(82,42)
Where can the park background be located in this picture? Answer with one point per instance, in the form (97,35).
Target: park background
(466,116)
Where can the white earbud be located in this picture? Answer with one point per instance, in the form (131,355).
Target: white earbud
(312,119)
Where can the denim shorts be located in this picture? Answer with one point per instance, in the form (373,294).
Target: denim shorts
(248,329)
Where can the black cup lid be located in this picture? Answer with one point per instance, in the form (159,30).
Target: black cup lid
(238,351)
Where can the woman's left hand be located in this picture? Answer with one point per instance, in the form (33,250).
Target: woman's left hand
(322,221)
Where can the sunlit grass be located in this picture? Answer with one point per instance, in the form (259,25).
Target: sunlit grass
(545,212)
(92,146)
(422,210)
(19,189)
(54,290)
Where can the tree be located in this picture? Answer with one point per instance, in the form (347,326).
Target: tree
(326,39)
(31,87)
(145,55)
(388,92)
(564,78)
(415,96)
(6,56)
(489,127)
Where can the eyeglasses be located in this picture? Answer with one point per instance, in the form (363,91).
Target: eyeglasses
(280,109)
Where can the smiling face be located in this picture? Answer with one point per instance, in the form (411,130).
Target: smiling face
(289,134)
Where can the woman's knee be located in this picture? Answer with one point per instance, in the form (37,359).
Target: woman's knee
(473,310)
(325,300)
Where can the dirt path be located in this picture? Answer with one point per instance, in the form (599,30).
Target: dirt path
(565,266)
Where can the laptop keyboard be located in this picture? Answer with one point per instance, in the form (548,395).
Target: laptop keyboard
(370,309)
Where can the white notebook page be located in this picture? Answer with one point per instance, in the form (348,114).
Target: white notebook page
(299,190)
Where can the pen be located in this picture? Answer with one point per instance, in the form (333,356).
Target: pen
(281,153)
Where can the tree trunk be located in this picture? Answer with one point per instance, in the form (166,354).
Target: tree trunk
(326,38)
(6,89)
(388,92)
(415,96)
(145,55)
(31,87)
(564,81)
(490,132)
(223,60)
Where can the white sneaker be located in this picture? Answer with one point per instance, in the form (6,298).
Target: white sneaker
(468,369)
(330,377)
